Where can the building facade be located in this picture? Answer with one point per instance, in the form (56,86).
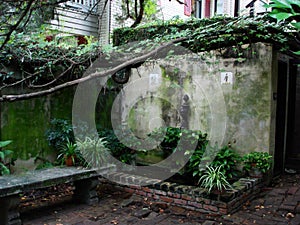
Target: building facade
(99,18)
(210,8)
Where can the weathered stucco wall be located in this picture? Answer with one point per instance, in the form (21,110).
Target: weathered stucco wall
(229,97)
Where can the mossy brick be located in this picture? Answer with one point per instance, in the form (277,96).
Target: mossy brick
(186,197)
(157,185)
(292,190)
(180,201)
(195,204)
(166,199)
(165,186)
(134,186)
(240,186)
(188,207)
(130,179)
(149,195)
(129,190)
(151,182)
(223,211)
(246,183)
(174,195)
(173,186)
(124,178)
(182,189)
(200,200)
(211,208)
(219,203)
(140,192)
(160,192)
(147,189)
(198,191)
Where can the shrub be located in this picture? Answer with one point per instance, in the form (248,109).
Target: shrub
(5,158)
(59,133)
(259,160)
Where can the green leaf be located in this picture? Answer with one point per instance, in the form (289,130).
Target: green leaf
(281,15)
(2,155)
(281,4)
(7,152)
(4,143)
(4,170)
(297,53)
(297,25)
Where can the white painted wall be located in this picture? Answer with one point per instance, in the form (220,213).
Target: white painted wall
(169,9)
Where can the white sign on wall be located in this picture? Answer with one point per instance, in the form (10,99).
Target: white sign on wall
(226,78)
(153,79)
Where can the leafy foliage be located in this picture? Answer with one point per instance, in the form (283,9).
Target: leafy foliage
(259,160)
(117,148)
(213,33)
(59,133)
(4,158)
(42,61)
(229,159)
(137,11)
(286,10)
(226,157)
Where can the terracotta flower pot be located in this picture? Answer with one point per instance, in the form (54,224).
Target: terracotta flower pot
(69,160)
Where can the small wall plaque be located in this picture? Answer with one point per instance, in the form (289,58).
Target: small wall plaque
(226,78)
(154,79)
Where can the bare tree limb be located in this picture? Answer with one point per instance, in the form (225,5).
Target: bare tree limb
(143,58)
(54,80)
(140,14)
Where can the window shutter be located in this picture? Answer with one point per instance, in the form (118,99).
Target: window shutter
(207,8)
(188,7)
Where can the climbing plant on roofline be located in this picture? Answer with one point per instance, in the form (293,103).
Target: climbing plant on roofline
(37,58)
(218,32)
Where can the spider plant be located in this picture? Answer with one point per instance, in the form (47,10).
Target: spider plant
(213,179)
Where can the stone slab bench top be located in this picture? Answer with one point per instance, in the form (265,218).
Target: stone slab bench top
(14,184)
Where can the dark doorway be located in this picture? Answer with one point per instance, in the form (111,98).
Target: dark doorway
(292,157)
(287,136)
(281,111)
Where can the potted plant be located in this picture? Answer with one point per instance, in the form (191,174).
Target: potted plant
(257,163)
(214,180)
(68,153)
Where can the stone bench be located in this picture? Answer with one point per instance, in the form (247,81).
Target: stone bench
(11,186)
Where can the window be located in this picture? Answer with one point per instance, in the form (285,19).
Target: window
(82,5)
(219,7)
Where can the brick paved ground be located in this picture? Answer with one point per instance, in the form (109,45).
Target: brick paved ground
(277,205)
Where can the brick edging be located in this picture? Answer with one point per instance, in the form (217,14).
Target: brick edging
(189,197)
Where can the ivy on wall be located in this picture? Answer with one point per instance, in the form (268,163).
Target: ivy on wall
(42,60)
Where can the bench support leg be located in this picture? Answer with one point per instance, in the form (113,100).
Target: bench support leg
(9,214)
(85,191)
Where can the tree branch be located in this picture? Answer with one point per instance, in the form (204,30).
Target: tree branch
(143,58)
(139,16)
(15,26)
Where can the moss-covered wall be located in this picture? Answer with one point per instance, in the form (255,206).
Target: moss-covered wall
(241,109)
(26,122)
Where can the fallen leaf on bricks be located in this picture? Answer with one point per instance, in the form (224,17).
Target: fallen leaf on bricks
(290,215)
